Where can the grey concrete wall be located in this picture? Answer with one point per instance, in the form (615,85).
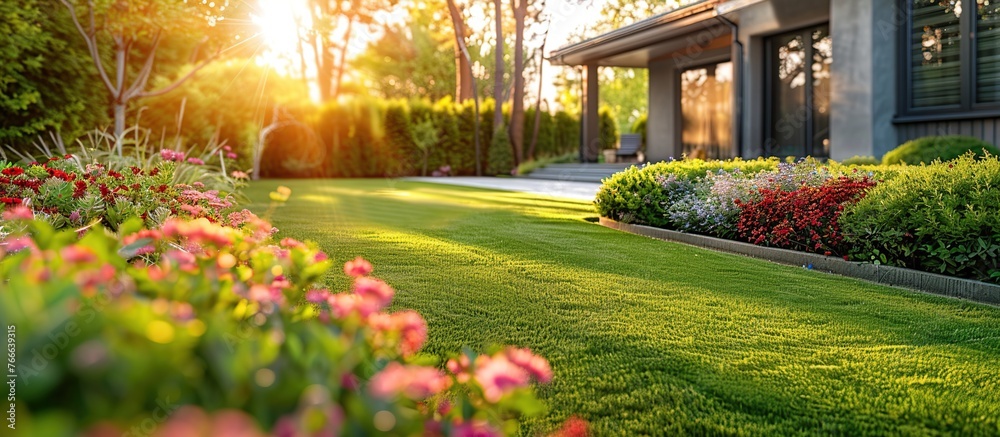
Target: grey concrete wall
(662,136)
(863,77)
(757,22)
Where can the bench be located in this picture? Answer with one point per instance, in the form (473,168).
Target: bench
(628,147)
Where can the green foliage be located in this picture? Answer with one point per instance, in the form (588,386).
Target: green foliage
(46,75)
(945,148)
(655,338)
(501,156)
(940,218)
(640,128)
(861,160)
(608,129)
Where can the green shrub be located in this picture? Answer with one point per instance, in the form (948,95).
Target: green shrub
(639,127)
(946,148)
(608,129)
(501,157)
(940,218)
(860,160)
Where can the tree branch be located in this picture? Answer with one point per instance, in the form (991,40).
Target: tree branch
(147,68)
(91,40)
(178,82)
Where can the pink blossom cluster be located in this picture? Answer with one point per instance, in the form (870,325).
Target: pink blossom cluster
(171,155)
(502,373)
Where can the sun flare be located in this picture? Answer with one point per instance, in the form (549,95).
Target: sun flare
(281,24)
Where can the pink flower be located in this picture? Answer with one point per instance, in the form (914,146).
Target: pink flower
(171,155)
(17,244)
(413,331)
(374,289)
(77,254)
(236,174)
(195,161)
(342,305)
(461,367)
(19,212)
(536,366)
(358,267)
(498,376)
(231,155)
(414,382)
(317,296)
(74,216)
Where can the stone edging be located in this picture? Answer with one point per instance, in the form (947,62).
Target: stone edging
(894,276)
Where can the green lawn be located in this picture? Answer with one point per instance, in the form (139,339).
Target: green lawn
(649,337)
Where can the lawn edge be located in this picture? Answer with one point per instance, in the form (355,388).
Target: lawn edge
(958,288)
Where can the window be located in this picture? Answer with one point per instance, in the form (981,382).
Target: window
(707,111)
(798,93)
(952,56)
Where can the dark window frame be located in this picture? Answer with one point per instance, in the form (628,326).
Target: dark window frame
(806,33)
(968,106)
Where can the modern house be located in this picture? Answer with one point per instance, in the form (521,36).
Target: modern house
(824,78)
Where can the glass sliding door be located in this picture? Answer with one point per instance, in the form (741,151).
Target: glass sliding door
(798,93)
(707,111)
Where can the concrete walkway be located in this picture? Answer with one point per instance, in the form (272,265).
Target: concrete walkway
(565,189)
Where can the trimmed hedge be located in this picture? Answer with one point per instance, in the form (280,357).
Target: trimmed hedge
(945,148)
(369,138)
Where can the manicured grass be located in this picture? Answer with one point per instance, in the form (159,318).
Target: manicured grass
(648,337)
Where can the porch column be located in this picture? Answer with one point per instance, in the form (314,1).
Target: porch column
(863,95)
(590,138)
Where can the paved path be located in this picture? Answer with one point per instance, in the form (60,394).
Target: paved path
(570,190)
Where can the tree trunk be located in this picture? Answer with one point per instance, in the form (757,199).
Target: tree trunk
(538,103)
(342,61)
(498,70)
(520,8)
(463,70)
(460,45)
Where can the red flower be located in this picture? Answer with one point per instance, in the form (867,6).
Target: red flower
(12,171)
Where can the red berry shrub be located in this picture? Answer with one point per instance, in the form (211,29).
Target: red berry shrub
(804,219)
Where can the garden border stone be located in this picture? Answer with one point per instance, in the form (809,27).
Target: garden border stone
(942,285)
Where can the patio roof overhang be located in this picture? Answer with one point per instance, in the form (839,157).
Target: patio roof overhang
(639,43)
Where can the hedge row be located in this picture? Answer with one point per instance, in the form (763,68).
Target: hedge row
(369,138)
(940,217)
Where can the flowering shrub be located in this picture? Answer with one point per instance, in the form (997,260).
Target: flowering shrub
(195,327)
(637,194)
(803,219)
(65,194)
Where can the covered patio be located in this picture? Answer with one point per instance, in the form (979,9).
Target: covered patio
(694,85)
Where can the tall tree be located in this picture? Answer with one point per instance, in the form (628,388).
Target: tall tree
(520,10)
(463,65)
(138,27)
(498,68)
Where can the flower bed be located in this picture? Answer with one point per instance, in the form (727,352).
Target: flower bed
(932,217)
(172,313)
